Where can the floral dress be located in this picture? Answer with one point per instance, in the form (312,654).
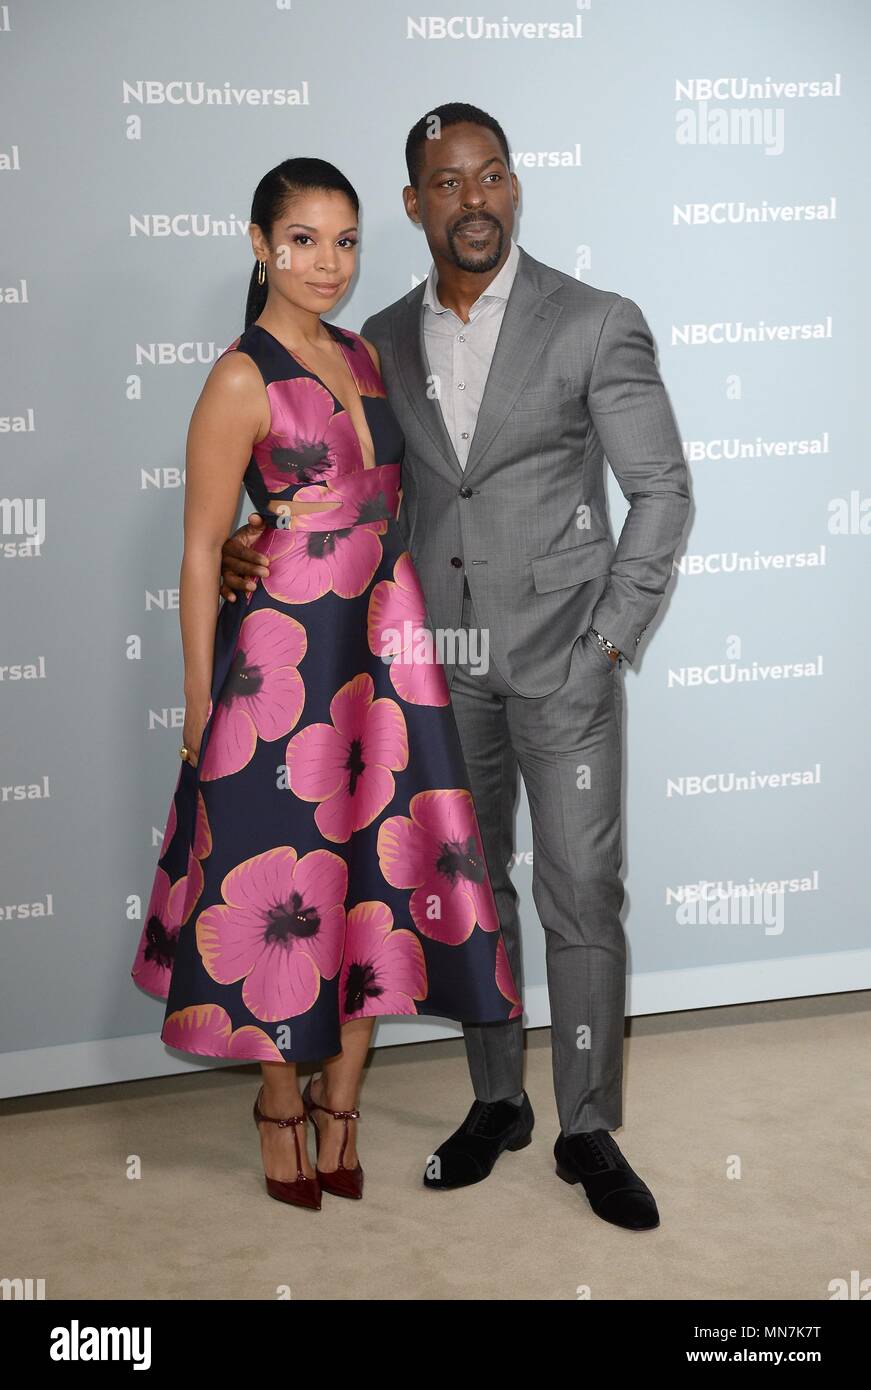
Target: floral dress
(323,861)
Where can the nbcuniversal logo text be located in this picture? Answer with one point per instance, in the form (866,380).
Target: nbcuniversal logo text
(731,450)
(761,125)
(757,562)
(24,423)
(477,27)
(188,354)
(734,673)
(726,783)
(712,889)
(153,92)
(185,224)
(716,334)
(741,214)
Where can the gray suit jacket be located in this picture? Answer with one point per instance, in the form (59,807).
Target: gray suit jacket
(573,380)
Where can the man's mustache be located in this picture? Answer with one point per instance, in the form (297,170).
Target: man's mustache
(470,221)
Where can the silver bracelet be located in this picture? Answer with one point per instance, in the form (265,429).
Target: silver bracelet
(607,647)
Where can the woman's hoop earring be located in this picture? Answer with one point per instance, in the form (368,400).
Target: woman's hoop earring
(261,272)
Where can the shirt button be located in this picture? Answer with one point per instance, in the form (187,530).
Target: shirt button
(461,386)
(456,562)
(461,338)
(464,434)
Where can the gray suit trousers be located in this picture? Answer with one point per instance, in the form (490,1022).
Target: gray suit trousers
(567,747)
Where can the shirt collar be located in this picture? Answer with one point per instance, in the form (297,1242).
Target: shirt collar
(500,288)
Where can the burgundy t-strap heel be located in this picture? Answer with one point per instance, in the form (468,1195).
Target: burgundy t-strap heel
(304,1191)
(344,1182)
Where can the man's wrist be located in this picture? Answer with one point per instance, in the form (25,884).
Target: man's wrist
(607,646)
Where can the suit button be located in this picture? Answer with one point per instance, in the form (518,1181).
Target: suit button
(465,492)
(456,562)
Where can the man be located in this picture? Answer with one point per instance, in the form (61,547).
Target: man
(512,382)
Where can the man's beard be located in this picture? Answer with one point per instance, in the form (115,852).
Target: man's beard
(479,267)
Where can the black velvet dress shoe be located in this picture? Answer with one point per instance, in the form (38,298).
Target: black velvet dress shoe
(489,1128)
(614,1190)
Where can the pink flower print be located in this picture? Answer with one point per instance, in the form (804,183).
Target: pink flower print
(383,971)
(398,633)
(280,928)
(367,496)
(168,907)
(202,846)
(208,1030)
(263,694)
(348,765)
(363,369)
(438,853)
(505,980)
(306,440)
(311,563)
(336,550)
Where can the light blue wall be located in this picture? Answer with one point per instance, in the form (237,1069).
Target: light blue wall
(92,162)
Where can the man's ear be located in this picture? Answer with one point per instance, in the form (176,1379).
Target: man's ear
(409,198)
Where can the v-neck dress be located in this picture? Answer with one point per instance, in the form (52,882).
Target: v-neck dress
(323,861)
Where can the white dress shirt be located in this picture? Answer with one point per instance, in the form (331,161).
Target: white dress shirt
(459,354)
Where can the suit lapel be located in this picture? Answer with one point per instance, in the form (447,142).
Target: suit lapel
(410,356)
(527,323)
(526,326)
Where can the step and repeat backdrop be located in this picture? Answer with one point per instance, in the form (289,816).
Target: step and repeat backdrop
(704,159)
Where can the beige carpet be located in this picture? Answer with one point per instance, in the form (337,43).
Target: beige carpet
(785,1087)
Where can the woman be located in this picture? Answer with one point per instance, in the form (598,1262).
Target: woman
(322,863)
